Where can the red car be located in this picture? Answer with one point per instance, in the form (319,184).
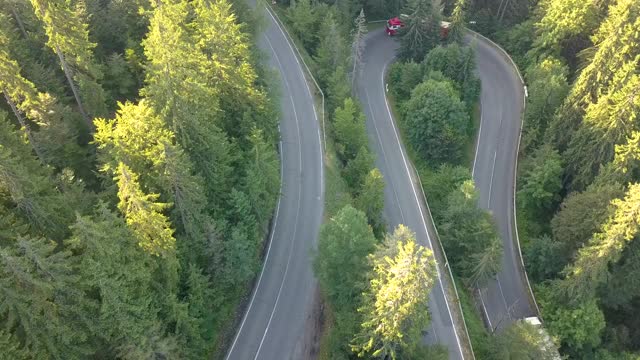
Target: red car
(395,24)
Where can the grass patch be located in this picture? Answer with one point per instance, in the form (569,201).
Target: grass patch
(480,337)
(476,119)
(375,25)
(336,194)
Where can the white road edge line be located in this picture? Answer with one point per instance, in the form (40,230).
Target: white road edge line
(424,223)
(486,313)
(266,259)
(306,85)
(475,158)
(504,300)
(493,170)
(295,226)
(384,153)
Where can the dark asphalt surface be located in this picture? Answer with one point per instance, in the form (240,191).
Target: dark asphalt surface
(273,327)
(403,201)
(506,298)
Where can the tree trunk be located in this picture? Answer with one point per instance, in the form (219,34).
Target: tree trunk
(24,125)
(19,21)
(69,76)
(503,10)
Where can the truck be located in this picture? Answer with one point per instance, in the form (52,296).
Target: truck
(393,26)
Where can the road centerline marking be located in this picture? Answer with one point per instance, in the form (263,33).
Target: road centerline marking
(295,226)
(424,223)
(384,154)
(493,171)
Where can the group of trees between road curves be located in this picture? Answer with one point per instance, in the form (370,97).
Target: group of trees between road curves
(377,285)
(578,193)
(436,91)
(138,174)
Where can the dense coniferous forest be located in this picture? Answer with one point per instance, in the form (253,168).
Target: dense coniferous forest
(577,192)
(577,186)
(138,175)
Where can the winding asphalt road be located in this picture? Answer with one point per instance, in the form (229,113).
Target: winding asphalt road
(273,327)
(402,197)
(505,298)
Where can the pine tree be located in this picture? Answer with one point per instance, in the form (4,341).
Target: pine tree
(548,86)
(607,123)
(16,90)
(68,37)
(563,20)
(581,214)
(241,247)
(302,15)
(466,230)
(140,138)
(11,348)
(395,309)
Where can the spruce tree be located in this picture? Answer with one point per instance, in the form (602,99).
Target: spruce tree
(230,68)
(457,28)
(117,273)
(40,300)
(68,37)
(30,187)
(422,29)
(54,142)
(144,215)
(590,268)
(177,88)
(263,176)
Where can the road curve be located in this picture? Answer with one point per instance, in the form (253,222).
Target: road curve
(506,298)
(273,326)
(403,202)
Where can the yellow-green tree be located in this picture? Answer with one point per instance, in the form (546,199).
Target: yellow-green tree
(590,268)
(177,88)
(143,214)
(395,308)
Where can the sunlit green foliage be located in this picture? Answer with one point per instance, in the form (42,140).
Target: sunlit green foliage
(68,37)
(395,306)
(130,253)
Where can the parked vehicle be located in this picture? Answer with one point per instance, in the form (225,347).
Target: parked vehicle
(394,25)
